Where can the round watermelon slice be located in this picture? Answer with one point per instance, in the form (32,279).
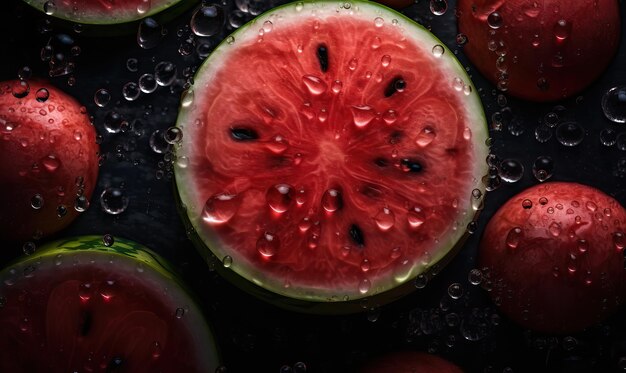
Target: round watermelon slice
(332,151)
(81,306)
(103,12)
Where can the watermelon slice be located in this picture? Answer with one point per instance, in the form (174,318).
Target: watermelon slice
(80,306)
(102,12)
(332,151)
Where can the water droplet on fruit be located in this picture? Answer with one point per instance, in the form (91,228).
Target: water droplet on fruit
(426,136)
(268,244)
(84,292)
(279,197)
(36,202)
(511,170)
(513,237)
(158,143)
(42,95)
(227,261)
(608,136)
(20,89)
(555,229)
(562,29)
(619,240)
(29,248)
(315,85)
(165,73)
(415,217)
(455,290)
(147,83)
(207,20)
(591,206)
(543,168)
(475,276)
(81,203)
(61,211)
(379,22)
(421,281)
(149,33)
(49,7)
(438,7)
(173,135)
(101,97)
(220,208)
(364,286)
(186,98)
(365,265)
(108,240)
(438,50)
(614,104)
(570,133)
(385,219)
(331,200)
(494,20)
(385,60)
(362,115)
(179,313)
(113,201)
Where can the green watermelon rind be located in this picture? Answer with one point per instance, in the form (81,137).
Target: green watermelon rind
(91,250)
(304,299)
(104,21)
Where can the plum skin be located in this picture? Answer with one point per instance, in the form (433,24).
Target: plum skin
(48,148)
(558,266)
(408,362)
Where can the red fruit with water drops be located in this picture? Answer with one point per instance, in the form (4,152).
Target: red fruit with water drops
(48,159)
(540,50)
(554,257)
(410,362)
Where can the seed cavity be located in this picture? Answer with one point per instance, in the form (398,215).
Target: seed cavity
(381,162)
(411,165)
(397,84)
(241,134)
(371,191)
(322,56)
(356,234)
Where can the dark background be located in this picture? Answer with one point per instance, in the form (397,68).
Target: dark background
(254,336)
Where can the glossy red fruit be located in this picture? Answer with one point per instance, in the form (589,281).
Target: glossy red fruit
(554,257)
(410,362)
(48,159)
(540,50)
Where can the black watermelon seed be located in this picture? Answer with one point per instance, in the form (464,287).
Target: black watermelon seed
(411,165)
(357,235)
(322,56)
(381,162)
(115,364)
(397,84)
(85,323)
(243,134)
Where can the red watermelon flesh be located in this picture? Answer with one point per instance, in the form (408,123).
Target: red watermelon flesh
(331,151)
(80,309)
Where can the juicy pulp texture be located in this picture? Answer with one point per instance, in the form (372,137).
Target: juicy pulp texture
(102,11)
(80,306)
(329,152)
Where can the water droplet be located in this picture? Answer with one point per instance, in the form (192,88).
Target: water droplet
(147,83)
(511,170)
(186,98)
(179,313)
(131,91)
(101,97)
(42,95)
(113,201)
(365,265)
(426,136)
(415,217)
(614,104)
(543,133)
(279,197)
(158,143)
(527,204)
(144,6)
(455,290)
(207,20)
(620,141)
(268,244)
(570,133)
(591,206)
(608,136)
(49,7)
(36,202)
(29,248)
(315,85)
(149,33)
(108,240)
(50,163)
(619,240)
(421,281)
(475,276)
(543,168)
(331,200)
(562,29)
(113,122)
(555,229)
(385,219)
(364,286)
(227,261)
(461,39)
(20,89)
(165,73)
(438,7)
(513,237)
(220,208)
(379,22)
(385,60)
(81,203)
(362,115)
(438,50)
(494,20)
(173,135)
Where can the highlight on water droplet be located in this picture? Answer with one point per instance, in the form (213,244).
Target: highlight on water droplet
(280,197)
(331,200)
(268,244)
(438,50)
(385,219)
(220,208)
(362,115)
(314,84)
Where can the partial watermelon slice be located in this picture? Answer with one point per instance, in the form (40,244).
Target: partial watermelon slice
(331,151)
(80,306)
(103,12)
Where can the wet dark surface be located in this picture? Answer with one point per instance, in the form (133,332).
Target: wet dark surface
(254,336)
